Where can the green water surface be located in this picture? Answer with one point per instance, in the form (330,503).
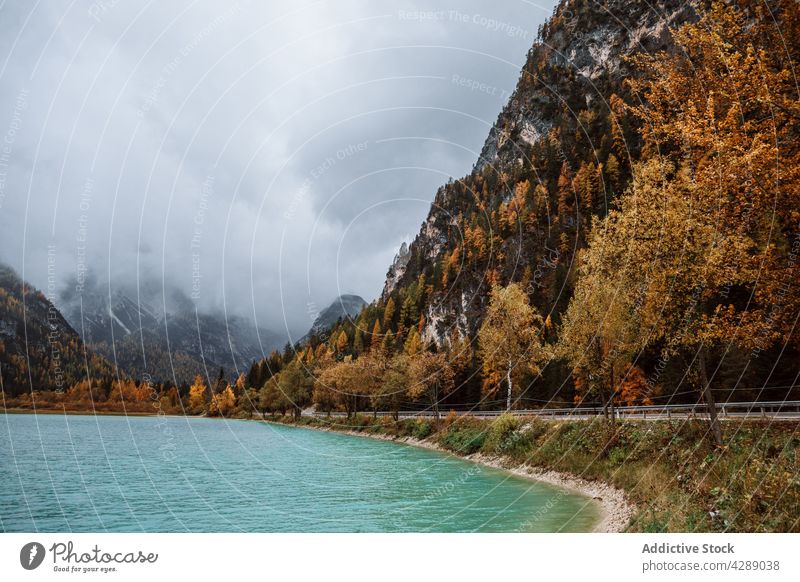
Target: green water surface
(155,474)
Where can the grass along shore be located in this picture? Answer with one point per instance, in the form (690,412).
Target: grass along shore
(648,476)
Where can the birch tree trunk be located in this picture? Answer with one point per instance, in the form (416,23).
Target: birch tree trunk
(508,396)
(708,396)
(613,393)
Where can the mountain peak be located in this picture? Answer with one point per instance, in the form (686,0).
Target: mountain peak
(344,306)
(397,270)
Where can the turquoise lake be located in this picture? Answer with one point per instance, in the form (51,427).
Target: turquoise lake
(155,474)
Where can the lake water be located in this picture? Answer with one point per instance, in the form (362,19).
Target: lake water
(130,474)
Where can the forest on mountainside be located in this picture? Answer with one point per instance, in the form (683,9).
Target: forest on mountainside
(37,345)
(653,231)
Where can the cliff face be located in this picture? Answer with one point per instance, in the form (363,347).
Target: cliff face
(556,157)
(397,270)
(579,61)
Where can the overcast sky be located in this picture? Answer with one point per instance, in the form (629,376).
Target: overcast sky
(262,157)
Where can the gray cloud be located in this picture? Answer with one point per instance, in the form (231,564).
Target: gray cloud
(257,156)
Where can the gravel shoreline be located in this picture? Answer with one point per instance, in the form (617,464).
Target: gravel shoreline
(616,510)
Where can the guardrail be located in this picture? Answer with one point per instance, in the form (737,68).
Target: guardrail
(724,409)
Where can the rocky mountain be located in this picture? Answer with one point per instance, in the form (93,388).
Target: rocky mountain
(175,343)
(583,56)
(343,307)
(39,349)
(397,270)
(556,158)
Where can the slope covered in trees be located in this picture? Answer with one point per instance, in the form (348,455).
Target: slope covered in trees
(641,189)
(44,364)
(37,346)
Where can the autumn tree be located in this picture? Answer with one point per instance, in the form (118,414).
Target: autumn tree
(341,343)
(330,388)
(586,185)
(241,385)
(222,403)
(632,388)
(461,357)
(726,106)
(197,395)
(371,371)
(388,314)
(713,208)
(323,397)
(664,259)
(347,383)
(510,338)
(413,343)
(394,384)
(271,397)
(430,376)
(387,345)
(601,329)
(248,401)
(358,340)
(296,386)
(612,177)
(564,194)
(375,337)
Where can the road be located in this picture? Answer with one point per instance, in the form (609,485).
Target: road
(774,410)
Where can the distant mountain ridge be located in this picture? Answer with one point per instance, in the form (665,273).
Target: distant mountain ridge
(167,345)
(39,349)
(343,307)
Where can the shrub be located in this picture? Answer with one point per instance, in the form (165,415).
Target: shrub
(464,438)
(450,419)
(359,422)
(421,429)
(617,456)
(502,434)
(536,428)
